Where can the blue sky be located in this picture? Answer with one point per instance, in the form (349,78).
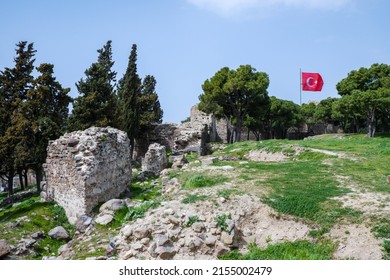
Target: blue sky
(184,42)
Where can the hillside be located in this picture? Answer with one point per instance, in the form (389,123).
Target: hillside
(325,197)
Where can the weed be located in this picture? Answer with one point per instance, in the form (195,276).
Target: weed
(298,250)
(221,221)
(200,181)
(227,193)
(192,220)
(386,249)
(383,229)
(130,214)
(193,198)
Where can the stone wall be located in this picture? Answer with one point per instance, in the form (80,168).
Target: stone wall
(85,168)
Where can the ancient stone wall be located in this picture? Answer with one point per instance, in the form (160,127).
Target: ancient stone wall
(84,168)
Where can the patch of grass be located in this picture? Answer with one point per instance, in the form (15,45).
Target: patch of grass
(130,214)
(382,230)
(299,188)
(221,221)
(145,191)
(191,220)
(299,250)
(194,198)
(386,250)
(38,216)
(227,193)
(201,181)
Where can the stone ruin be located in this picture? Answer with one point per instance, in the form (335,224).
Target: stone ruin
(85,168)
(155,160)
(191,136)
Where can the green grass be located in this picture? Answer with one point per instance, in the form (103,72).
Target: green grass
(130,214)
(227,193)
(299,250)
(192,198)
(299,188)
(386,249)
(191,220)
(221,221)
(144,191)
(382,229)
(201,181)
(39,216)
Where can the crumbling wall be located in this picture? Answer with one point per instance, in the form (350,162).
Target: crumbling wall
(85,168)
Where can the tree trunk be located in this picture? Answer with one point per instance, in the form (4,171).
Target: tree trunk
(371,125)
(25,175)
(38,176)
(10,179)
(238,129)
(22,187)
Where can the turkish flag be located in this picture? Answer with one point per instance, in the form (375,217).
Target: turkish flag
(312,81)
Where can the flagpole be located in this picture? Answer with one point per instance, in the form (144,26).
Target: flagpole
(300,86)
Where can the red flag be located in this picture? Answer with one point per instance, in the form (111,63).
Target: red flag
(312,81)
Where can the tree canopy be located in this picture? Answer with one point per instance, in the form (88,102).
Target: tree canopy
(234,95)
(96,105)
(33,111)
(365,94)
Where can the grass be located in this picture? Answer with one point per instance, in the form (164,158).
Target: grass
(192,198)
(130,214)
(201,181)
(192,220)
(33,216)
(299,250)
(221,221)
(386,249)
(382,229)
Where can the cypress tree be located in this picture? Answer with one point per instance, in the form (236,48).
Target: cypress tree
(14,85)
(129,92)
(47,112)
(97,101)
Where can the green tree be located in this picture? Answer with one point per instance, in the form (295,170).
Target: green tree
(129,91)
(14,85)
(97,101)
(282,114)
(323,111)
(233,95)
(46,111)
(150,109)
(308,114)
(370,91)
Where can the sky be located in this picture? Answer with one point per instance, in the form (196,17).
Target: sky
(184,42)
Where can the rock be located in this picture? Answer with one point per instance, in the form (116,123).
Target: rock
(226,238)
(165,252)
(37,235)
(83,222)
(221,249)
(155,159)
(209,160)
(127,231)
(58,233)
(227,168)
(141,232)
(29,242)
(104,218)
(152,249)
(161,239)
(198,227)
(113,205)
(4,248)
(210,240)
(97,166)
(178,161)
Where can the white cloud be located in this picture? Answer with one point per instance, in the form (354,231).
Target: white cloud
(228,7)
